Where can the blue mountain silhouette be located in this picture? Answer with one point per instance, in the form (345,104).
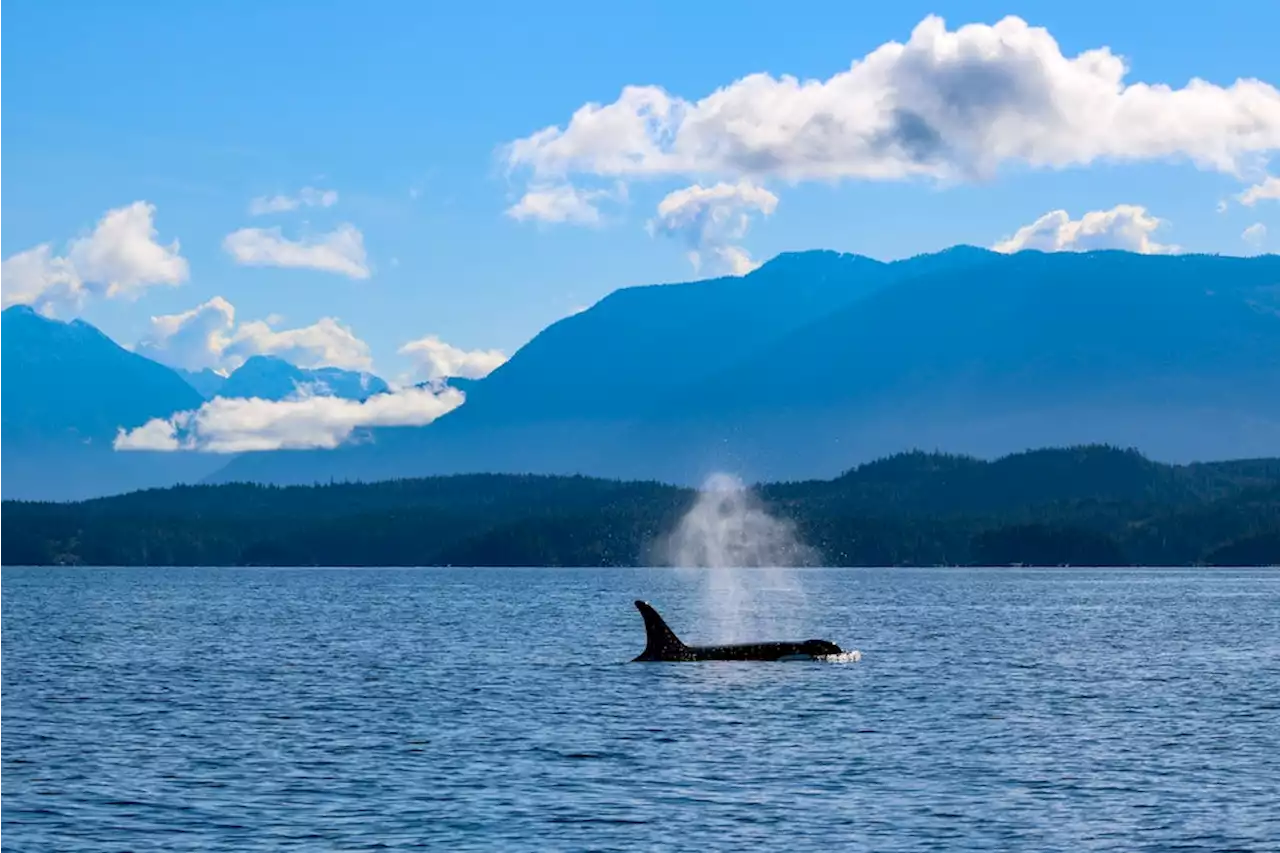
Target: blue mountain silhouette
(813,363)
(819,361)
(68,389)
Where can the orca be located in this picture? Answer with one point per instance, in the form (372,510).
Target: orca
(662,644)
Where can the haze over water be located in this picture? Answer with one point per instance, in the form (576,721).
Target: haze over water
(464,709)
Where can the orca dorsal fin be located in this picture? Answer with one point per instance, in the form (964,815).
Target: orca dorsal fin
(661,643)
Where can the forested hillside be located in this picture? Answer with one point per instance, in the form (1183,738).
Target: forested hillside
(1076,506)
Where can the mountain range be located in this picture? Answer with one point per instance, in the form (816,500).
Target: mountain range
(270,378)
(819,361)
(811,364)
(68,389)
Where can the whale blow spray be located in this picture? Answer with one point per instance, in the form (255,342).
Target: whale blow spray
(746,558)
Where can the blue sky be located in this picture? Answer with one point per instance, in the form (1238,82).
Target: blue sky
(403,110)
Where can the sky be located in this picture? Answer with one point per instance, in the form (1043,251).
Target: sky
(419,188)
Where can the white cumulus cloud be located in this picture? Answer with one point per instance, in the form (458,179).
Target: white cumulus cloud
(1269,189)
(1255,235)
(1125,226)
(208,336)
(339,251)
(945,105)
(38,278)
(122,253)
(192,340)
(435,359)
(155,434)
(120,258)
(557,203)
(325,343)
(239,425)
(306,197)
(710,220)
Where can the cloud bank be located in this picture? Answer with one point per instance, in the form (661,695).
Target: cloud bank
(241,425)
(121,258)
(946,105)
(208,336)
(1125,226)
(339,251)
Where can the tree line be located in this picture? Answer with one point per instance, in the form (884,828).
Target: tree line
(1080,506)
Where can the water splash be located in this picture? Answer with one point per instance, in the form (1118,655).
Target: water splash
(851,656)
(746,560)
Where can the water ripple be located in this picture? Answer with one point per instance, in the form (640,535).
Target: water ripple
(488,710)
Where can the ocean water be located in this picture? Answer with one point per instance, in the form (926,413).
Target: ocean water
(1002,710)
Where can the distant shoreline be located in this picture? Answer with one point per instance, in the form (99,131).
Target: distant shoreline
(1090,506)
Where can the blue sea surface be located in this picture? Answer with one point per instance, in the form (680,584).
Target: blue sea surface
(480,709)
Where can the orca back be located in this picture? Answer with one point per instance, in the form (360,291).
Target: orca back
(662,644)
